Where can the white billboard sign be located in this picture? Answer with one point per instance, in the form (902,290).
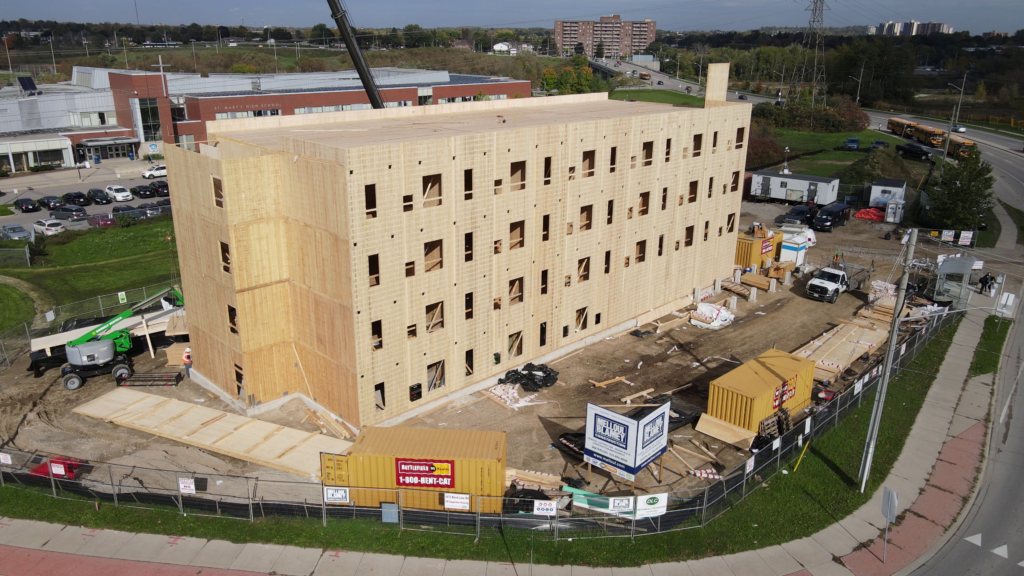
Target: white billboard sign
(628,445)
(456,501)
(333,495)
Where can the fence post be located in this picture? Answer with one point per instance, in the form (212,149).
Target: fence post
(555,519)
(3,353)
(28,334)
(323,503)
(401,517)
(248,492)
(478,509)
(99,299)
(113,487)
(144,293)
(181,504)
(28,259)
(49,472)
(704,508)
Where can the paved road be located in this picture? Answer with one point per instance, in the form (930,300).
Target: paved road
(671,83)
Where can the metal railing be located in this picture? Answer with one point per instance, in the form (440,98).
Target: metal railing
(15,257)
(577,516)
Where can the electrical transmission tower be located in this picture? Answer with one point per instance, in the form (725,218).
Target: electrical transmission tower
(816,35)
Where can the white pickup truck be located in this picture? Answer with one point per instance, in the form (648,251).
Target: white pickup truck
(828,283)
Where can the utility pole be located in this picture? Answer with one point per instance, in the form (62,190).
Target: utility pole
(816,30)
(961,102)
(890,351)
(782,79)
(10,66)
(161,65)
(195,63)
(858,79)
(945,149)
(125,40)
(52,57)
(85,43)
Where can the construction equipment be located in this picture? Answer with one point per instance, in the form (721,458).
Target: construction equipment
(340,16)
(102,349)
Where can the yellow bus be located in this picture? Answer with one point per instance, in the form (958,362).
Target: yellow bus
(645,75)
(900,127)
(929,136)
(961,147)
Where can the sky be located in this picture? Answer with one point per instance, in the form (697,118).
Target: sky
(975,15)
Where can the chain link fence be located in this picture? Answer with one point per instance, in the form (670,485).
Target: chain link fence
(14,343)
(15,257)
(577,516)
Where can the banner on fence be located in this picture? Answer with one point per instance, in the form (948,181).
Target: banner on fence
(965,238)
(947,235)
(5,459)
(807,425)
(186,485)
(416,473)
(750,465)
(545,507)
(651,505)
(335,495)
(456,501)
(620,504)
(629,445)
(858,386)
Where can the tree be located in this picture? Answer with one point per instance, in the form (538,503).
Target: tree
(964,193)
(321,33)
(599,50)
(981,92)
(209,33)
(241,32)
(280,34)
(550,79)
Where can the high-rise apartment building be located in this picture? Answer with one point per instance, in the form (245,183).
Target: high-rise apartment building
(912,28)
(378,260)
(619,38)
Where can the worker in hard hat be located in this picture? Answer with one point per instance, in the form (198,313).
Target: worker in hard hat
(186,359)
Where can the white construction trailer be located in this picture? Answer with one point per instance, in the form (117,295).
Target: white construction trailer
(793,188)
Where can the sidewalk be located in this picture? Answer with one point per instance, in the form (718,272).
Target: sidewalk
(104,172)
(933,477)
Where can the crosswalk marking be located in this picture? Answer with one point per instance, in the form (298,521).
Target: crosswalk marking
(976,539)
(1001,551)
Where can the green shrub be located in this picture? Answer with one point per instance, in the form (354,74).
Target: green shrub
(124,220)
(44,168)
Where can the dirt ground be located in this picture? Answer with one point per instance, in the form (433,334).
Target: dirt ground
(35,414)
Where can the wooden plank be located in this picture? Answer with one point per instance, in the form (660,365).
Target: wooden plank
(141,415)
(296,445)
(175,417)
(637,395)
(726,432)
(683,387)
(628,405)
(690,452)
(673,452)
(205,424)
(756,280)
(705,450)
(607,382)
(498,401)
(334,426)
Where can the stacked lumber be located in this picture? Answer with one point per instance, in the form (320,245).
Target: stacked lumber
(757,281)
(736,288)
(532,479)
(834,351)
(779,269)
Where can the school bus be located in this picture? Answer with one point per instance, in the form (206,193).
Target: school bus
(929,136)
(900,127)
(645,76)
(961,146)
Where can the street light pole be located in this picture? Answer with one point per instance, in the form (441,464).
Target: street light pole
(960,103)
(890,351)
(857,99)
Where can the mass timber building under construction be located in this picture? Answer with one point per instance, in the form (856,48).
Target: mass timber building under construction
(378,260)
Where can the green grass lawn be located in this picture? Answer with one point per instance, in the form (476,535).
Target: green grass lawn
(658,96)
(800,142)
(76,247)
(5,210)
(15,307)
(793,506)
(988,238)
(990,348)
(825,164)
(1018,218)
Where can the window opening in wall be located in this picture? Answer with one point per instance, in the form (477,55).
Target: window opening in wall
(707,225)
(378,396)
(232,320)
(239,382)
(719,230)
(467,183)
(586,215)
(648,151)
(469,305)
(632,162)
(731,221)
(641,251)
(664,198)
(376,335)
(410,331)
(581,319)
(433,255)
(607,261)
(645,203)
(627,262)
(711,186)
(694,185)
(407,203)
(740,135)
(689,236)
(515,291)
(677,245)
(415,392)
(714,141)
(370,194)
(515,344)
(435,375)
(545,230)
(467,247)
(668,149)
(469,362)
(431,190)
(568,228)
(497,303)
(611,210)
(572,173)
(597,319)
(518,171)
(698,142)
(543,281)
(225,257)
(497,246)
(410,269)
(374,265)
(498,188)
(735,182)
(218,192)
(543,334)
(611,160)
(565,331)
(588,164)
(661,244)
(583,269)
(547,170)
(435,317)
(517,235)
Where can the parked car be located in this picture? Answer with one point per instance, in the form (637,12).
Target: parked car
(163,202)
(879,144)
(742,97)
(99,196)
(831,216)
(143,191)
(161,187)
(155,172)
(151,209)
(48,227)
(69,213)
(660,83)
(959,128)
(802,214)
(101,220)
(76,199)
(14,232)
(913,151)
(122,209)
(120,193)
(25,205)
(50,202)
(852,144)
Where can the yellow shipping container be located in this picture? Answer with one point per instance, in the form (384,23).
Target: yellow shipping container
(425,464)
(752,251)
(756,390)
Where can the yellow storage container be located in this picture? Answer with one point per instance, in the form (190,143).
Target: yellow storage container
(425,464)
(756,390)
(753,251)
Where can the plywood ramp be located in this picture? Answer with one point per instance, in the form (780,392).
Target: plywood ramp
(256,441)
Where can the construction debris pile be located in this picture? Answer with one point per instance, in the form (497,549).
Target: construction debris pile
(532,377)
(711,316)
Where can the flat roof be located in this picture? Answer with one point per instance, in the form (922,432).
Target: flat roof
(890,183)
(428,443)
(454,80)
(442,121)
(803,177)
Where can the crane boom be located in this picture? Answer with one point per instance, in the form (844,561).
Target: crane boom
(340,17)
